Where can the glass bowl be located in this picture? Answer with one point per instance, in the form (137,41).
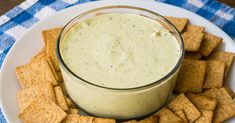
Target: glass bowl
(119,103)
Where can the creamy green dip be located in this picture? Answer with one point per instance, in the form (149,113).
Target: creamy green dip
(120,50)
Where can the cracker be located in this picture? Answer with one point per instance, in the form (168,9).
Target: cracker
(191,76)
(28,95)
(192,41)
(182,115)
(60,77)
(72,118)
(225,105)
(35,73)
(62,85)
(167,116)
(194,28)
(214,74)
(42,56)
(206,117)
(50,39)
(70,103)
(60,98)
(209,44)
(192,55)
(152,119)
(226,57)
(86,119)
(103,120)
(73,111)
(230,91)
(42,110)
(202,102)
(181,102)
(179,23)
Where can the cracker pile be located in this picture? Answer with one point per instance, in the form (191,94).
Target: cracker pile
(43,98)
(202,97)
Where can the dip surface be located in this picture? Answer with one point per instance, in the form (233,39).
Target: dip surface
(119,50)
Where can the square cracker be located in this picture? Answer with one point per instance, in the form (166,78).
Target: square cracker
(26,96)
(72,118)
(202,102)
(86,119)
(73,111)
(42,56)
(35,73)
(103,120)
(191,76)
(42,110)
(179,23)
(226,57)
(70,103)
(209,44)
(206,117)
(192,55)
(214,74)
(230,91)
(192,41)
(152,119)
(181,114)
(194,28)
(181,102)
(167,116)
(50,39)
(225,104)
(60,98)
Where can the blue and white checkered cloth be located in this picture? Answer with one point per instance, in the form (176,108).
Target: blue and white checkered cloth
(15,22)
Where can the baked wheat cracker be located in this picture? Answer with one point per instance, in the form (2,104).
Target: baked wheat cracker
(194,28)
(202,102)
(152,119)
(103,120)
(167,116)
(192,41)
(70,103)
(225,104)
(60,98)
(71,118)
(191,76)
(42,110)
(86,119)
(50,39)
(226,57)
(209,44)
(181,102)
(206,117)
(26,96)
(42,56)
(73,111)
(35,73)
(182,115)
(192,55)
(179,23)
(205,105)
(214,74)
(230,91)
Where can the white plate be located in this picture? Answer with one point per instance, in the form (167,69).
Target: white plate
(31,43)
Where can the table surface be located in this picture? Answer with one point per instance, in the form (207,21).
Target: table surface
(6,5)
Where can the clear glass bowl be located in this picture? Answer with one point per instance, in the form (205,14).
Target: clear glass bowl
(119,103)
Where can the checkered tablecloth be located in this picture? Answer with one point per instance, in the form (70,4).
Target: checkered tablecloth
(16,21)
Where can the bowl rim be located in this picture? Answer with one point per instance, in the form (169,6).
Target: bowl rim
(165,77)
